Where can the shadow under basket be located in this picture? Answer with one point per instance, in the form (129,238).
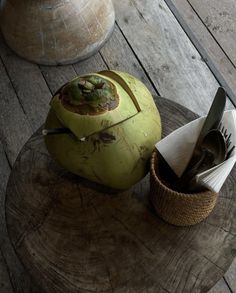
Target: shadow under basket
(181,209)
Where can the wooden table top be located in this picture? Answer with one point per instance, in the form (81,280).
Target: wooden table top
(147,42)
(72,236)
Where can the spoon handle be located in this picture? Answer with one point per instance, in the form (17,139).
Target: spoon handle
(187,182)
(212,121)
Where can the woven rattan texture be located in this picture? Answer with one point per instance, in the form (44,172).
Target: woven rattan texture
(177,208)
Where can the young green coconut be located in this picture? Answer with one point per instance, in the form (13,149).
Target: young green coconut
(113,125)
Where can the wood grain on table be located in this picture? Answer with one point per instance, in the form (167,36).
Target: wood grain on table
(147,42)
(72,236)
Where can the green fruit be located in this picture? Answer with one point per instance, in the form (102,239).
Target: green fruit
(115,125)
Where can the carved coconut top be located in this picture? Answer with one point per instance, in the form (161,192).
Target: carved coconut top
(92,103)
(89,95)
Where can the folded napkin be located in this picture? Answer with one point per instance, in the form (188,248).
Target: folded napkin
(177,149)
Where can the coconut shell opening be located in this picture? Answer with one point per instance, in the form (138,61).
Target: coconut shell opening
(89,95)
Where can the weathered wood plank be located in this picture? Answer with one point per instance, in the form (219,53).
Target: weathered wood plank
(5,168)
(20,280)
(17,275)
(5,284)
(171,60)
(230,276)
(119,56)
(219,18)
(93,64)
(223,67)
(4,174)
(15,128)
(22,111)
(220,287)
(12,273)
(29,85)
(57,76)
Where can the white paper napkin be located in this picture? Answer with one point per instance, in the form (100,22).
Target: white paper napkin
(177,149)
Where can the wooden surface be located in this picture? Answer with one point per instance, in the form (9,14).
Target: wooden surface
(211,39)
(220,20)
(25,91)
(211,50)
(165,55)
(71,235)
(56,32)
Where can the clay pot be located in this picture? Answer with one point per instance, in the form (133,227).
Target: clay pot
(56,32)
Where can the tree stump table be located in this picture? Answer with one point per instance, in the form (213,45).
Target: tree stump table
(72,236)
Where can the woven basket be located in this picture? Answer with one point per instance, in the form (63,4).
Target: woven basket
(177,208)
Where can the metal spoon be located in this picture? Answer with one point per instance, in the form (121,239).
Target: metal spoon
(212,151)
(214,143)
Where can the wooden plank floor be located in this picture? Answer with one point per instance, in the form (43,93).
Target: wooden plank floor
(208,24)
(219,19)
(147,42)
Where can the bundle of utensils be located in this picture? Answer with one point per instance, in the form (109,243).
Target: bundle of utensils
(202,153)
